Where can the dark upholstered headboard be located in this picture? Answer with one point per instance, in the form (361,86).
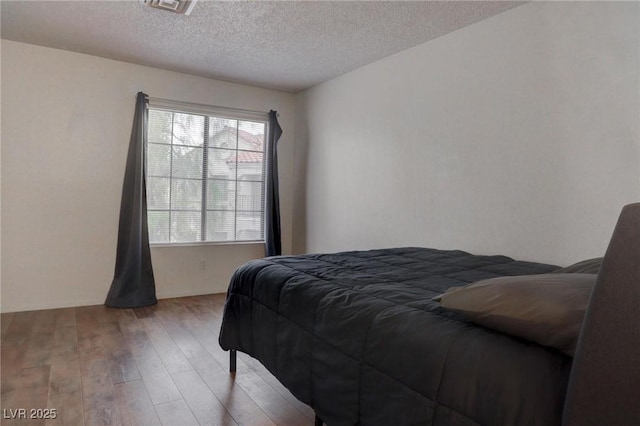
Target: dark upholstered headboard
(604,388)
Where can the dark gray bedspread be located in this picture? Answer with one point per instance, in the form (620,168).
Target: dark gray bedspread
(356,336)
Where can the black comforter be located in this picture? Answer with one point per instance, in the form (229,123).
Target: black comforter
(357,336)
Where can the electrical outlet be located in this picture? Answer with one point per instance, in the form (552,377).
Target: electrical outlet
(203,265)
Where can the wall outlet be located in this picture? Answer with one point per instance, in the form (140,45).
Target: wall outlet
(203,265)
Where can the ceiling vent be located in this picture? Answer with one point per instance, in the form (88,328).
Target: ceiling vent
(183,7)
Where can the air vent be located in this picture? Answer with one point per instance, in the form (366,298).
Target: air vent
(183,7)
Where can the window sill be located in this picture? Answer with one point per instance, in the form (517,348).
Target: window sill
(207,243)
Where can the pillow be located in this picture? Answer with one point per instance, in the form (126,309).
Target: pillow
(589,266)
(547,309)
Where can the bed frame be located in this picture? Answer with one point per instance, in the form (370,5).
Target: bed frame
(604,386)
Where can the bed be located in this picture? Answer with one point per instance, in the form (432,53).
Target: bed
(358,337)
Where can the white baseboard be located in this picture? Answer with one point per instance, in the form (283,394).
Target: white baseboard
(42,306)
(90,302)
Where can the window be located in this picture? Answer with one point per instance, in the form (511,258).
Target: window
(205,175)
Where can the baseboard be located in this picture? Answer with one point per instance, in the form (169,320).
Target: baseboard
(169,295)
(40,307)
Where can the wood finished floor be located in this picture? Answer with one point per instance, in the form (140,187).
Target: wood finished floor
(159,365)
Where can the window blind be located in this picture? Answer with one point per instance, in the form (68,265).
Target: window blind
(205,174)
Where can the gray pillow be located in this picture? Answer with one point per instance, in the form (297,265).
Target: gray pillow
(547,309)
(589,266)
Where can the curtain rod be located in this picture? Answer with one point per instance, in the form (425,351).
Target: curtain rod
(192,104)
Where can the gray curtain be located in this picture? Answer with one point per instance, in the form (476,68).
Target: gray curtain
(133,283)
(273,241)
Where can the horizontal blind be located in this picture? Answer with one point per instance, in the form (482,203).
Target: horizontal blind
(210,110)
(205,174)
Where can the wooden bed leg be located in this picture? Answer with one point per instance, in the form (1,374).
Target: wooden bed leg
(232,361)
(318,421)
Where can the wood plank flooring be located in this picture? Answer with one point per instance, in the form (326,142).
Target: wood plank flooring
(158,365)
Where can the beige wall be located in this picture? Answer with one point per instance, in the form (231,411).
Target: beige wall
(516,135)
(66,122)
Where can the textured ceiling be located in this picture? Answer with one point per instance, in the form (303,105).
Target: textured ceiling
(279,45)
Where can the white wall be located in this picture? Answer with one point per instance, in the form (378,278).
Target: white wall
(66,122)
(517,135)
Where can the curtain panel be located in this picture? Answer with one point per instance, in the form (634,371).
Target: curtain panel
(133,283)
(273,239)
